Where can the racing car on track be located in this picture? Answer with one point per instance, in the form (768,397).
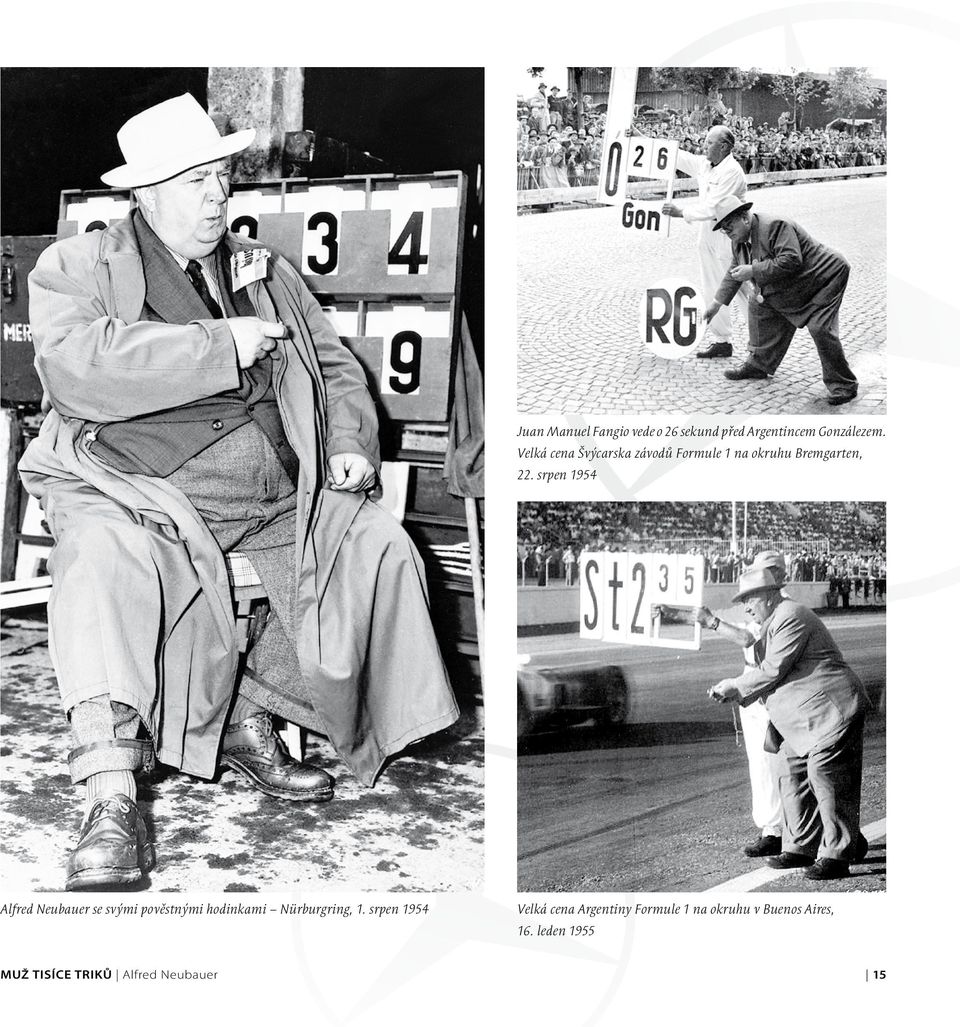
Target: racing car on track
(560,696)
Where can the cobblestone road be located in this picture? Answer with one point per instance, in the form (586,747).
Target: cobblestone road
(580,280)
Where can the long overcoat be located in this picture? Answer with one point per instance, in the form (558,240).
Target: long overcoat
(156,583)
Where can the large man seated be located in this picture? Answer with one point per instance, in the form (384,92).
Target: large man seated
(195,412)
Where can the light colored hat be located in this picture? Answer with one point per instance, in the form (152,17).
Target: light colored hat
(168,138)
(756,580)
(727,206)
(770,559)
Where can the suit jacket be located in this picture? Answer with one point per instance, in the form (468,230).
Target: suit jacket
(796,275)
(160,442)
(365,643)
(810,693)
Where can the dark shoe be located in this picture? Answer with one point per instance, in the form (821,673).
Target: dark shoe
(254,749)
(765,845)
(789,861)
(718,349)
(836,401)
(828,870)
(745,370)
(861,850)
(113,849)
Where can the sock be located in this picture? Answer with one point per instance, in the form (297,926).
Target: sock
(243,708)
(110,782)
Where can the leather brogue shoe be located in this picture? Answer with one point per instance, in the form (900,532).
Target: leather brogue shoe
(789,861)
(827,870)
(765,845)
(253,748)
(716,349)
(114,848)
(744,371)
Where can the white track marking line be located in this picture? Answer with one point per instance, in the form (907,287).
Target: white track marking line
(748,882)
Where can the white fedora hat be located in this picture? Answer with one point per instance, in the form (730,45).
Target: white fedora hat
(727,206)
(771,560)
(752,581)
(168,138)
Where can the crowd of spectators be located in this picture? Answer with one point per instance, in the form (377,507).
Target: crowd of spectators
(840,544)
(553,150)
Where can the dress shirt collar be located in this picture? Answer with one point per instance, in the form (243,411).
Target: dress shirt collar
(208,265)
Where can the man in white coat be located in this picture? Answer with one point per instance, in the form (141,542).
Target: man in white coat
(764,766)
(717,175)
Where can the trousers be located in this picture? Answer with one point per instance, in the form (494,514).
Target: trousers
(714,255)
(245,497)
(764,768)
(771,334)
(821,796)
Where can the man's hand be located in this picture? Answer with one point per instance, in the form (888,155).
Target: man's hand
(350,472)
(672,210)
(254,338)
(742,272)
(725,691)
(711,312)
(703,616)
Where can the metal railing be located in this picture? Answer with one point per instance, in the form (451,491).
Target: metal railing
(650,190)
(531,178)
(550,569)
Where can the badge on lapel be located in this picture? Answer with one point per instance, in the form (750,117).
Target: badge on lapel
(248,266)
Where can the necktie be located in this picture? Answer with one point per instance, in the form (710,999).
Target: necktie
(195,274)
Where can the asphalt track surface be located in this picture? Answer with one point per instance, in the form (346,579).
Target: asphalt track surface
(581,278)
(662,804)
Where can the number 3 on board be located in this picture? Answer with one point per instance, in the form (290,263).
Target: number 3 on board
(327,223)
(407,250)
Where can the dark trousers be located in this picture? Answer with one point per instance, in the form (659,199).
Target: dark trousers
(771,334)
(821,797)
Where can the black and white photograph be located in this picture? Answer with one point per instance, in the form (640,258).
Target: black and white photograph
(701,696)
(701,240)
(261,602)
(243,449)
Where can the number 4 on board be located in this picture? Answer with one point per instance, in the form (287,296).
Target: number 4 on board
(411,234)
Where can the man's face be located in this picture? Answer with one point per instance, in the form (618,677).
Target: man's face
(189,211)
(737,228)
(715,147)
(760,605)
